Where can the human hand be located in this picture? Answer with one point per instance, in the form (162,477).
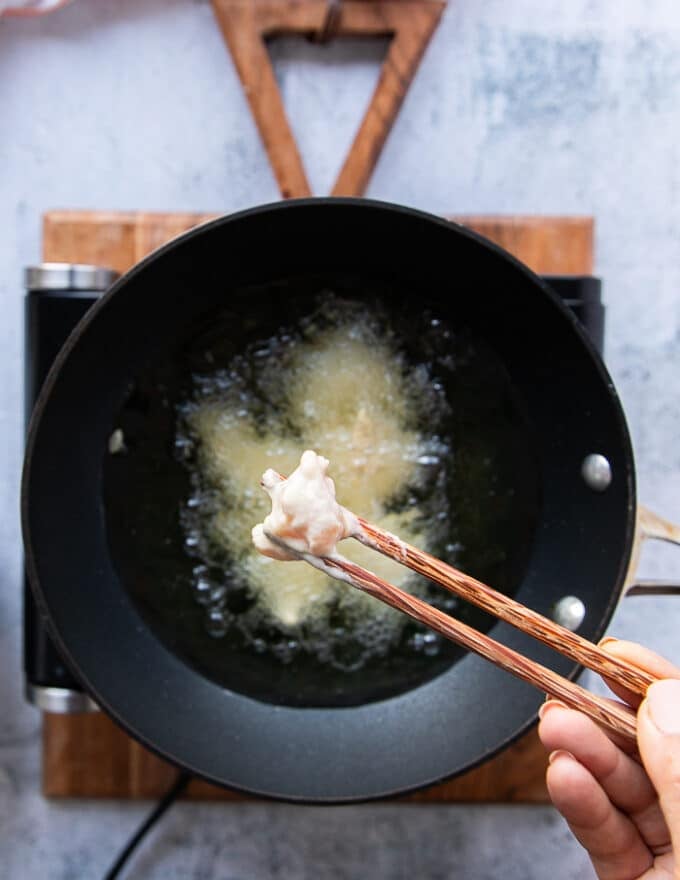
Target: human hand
(626,815)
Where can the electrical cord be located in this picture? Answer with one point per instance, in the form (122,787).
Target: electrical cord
(183,779)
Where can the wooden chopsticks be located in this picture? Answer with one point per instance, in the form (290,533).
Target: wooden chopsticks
(562,640)
(615,717)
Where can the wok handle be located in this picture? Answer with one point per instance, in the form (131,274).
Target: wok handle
(653,588)
(654,527)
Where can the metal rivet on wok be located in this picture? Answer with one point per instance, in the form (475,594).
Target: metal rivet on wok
(596,471)
(569,612)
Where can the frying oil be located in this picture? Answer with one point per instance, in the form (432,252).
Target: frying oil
(426,433)
(339,384)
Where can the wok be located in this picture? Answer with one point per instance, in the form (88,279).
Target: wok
(294,733)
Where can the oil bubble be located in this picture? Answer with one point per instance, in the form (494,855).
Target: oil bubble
(432,649)
(216,623)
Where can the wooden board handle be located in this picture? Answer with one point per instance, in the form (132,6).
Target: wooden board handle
(246,25)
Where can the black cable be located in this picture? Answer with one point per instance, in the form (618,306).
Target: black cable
(183,779)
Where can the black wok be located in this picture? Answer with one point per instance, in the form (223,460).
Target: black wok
(408,726)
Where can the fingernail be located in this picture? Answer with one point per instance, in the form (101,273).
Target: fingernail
(559,753)
(663,705)
(550,703)
(606,641)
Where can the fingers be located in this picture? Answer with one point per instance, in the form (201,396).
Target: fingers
(625,744)
(659,740)
(612,840)
(640,657)
(621,814)
(622,779)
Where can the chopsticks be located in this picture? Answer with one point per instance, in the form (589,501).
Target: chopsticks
(615,717)
(562,640)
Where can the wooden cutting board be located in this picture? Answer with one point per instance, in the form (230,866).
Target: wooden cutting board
(89,755)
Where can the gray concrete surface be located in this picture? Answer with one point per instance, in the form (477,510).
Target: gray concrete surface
(531,106)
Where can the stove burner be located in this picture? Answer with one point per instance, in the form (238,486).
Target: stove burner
(58,295)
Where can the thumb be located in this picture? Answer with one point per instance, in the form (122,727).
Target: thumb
(659,742)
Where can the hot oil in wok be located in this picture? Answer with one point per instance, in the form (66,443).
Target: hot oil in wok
(336,384)
(473,491)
